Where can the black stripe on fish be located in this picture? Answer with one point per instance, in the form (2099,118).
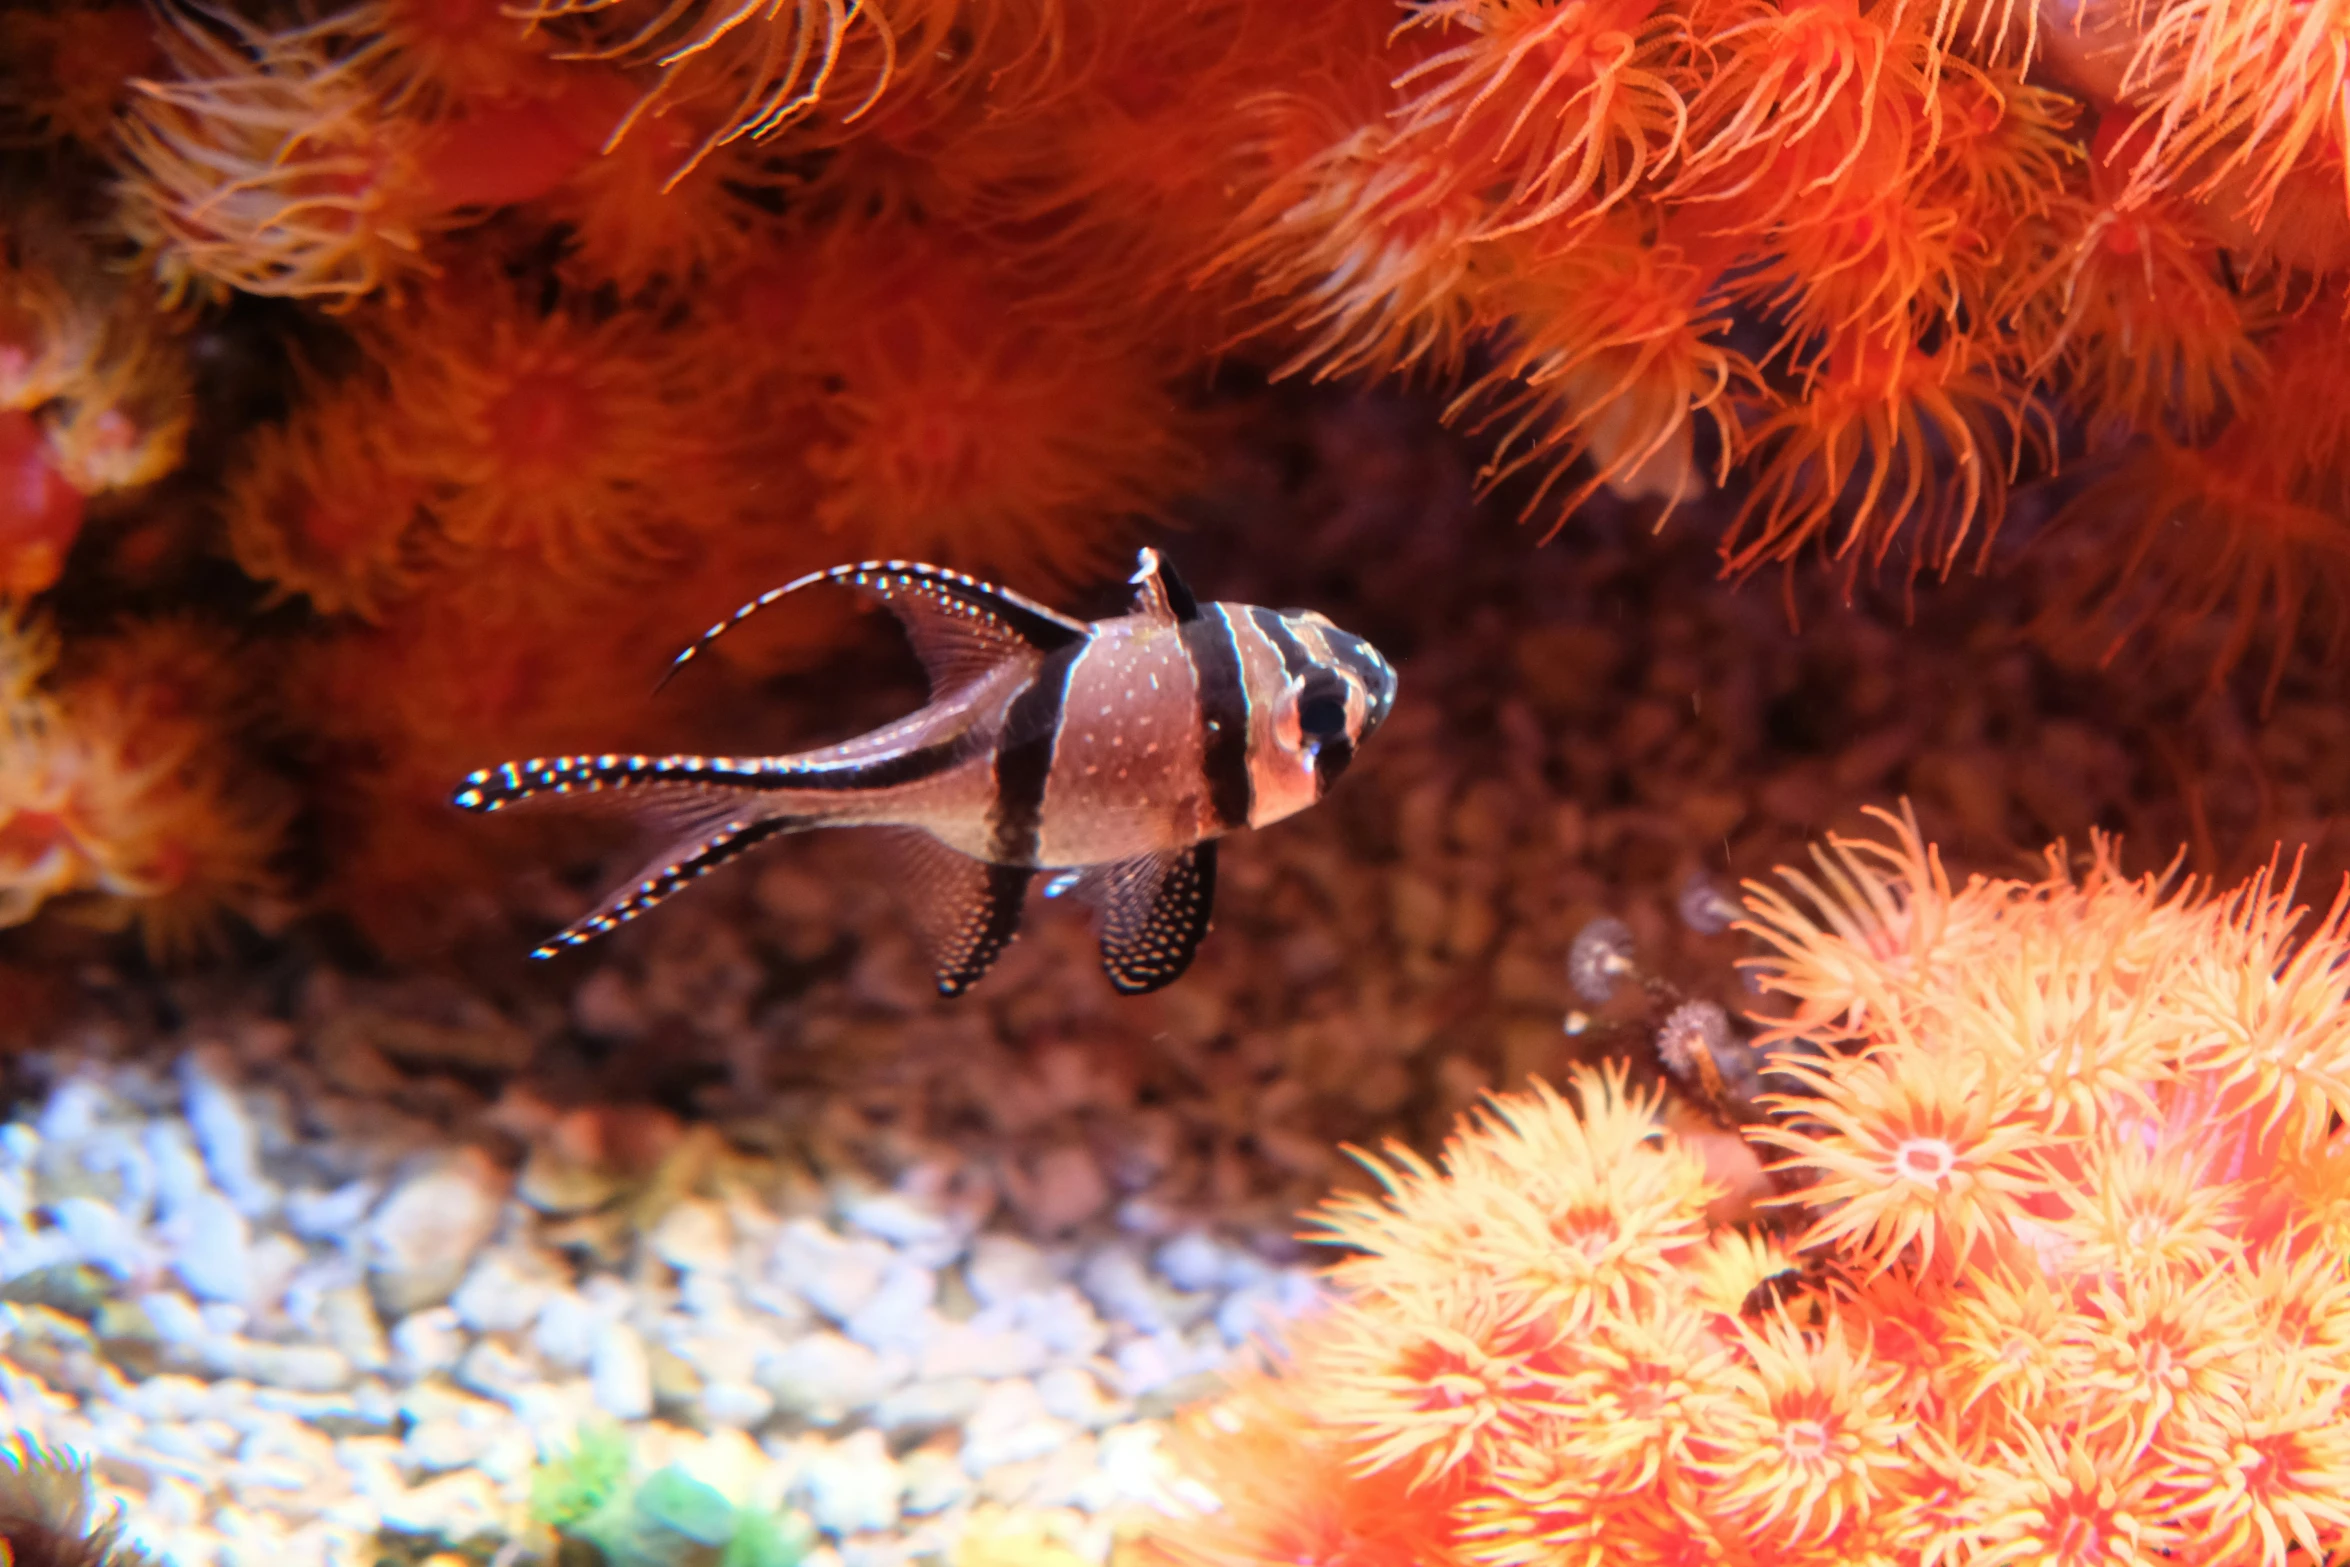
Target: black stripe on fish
(494,788)
(987,924)
(1213,643)
(661,881)
(1296,658)
(1039,626)
(1024,758)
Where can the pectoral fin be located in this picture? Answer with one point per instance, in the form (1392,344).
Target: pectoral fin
(1154,910)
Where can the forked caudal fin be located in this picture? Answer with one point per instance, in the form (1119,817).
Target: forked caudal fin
(708,810)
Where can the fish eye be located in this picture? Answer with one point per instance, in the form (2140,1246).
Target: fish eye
(1322,717)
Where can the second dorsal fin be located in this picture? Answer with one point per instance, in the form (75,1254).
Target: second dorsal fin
(960,627)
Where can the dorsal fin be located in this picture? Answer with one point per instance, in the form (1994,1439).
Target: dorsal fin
(1160,592)
(960,627)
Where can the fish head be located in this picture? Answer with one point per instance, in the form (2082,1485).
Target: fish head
(1328,708)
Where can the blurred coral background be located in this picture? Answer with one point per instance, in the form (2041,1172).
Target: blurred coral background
(387,389)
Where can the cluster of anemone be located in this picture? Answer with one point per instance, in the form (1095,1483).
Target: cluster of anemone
(94,397)
(125,798)
(2065,1188)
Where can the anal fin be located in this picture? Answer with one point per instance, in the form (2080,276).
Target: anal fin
(1154,912)
(965,910)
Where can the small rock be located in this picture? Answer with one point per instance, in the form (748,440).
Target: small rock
(217,1115)
(212,1248)
(99,1236)
(456,1507)
(306,1368)
(833,1275)
(1071,1393)
(1003,1268)
(899,1220)
(1061,1189)
(824,1377)
(694,1236)
(934,1481)
(854,1486)
(506,1289)
(425,1233)
(606,1007)
(621,1372)
(427,1341)
(330,1215)
(1062,1321)
(1010,1426)
(1193,1261)
(897,1314)
(1119,1284)
(736,1405)
(929,1406)
(348,1315)
(493,1369)
(979,1348)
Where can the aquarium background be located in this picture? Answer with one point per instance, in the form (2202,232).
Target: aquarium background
(1728,416)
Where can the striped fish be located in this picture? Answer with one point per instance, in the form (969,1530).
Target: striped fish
(1104,759)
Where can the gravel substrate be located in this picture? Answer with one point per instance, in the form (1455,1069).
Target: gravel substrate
(318,1263)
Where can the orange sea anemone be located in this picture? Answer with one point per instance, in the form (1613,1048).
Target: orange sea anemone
(951,420)
(2129,302)
(579,442)
(1567,108)
(320,506)
(2235,543)
(66,69)
(749,70)
(1613,350)
(1358,252)
(1907,438)
(277,164)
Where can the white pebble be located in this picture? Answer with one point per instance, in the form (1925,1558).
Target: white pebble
(351,1325)
(1192,1261)
(1121,1287)
(735,1406)
(506,1289)
(833,1275)
(897,1314)
(854,1486)
(621,1372)
(232,1150)
(100,1237)
(427,1341)
(212,1249)
(1004,1267)
(824,1377)
(1063,1321)
(934,1481)
(425,1233)
(1010,1426)
(694,1236)
(332,1215)
(899,1220)
(1071,1393)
